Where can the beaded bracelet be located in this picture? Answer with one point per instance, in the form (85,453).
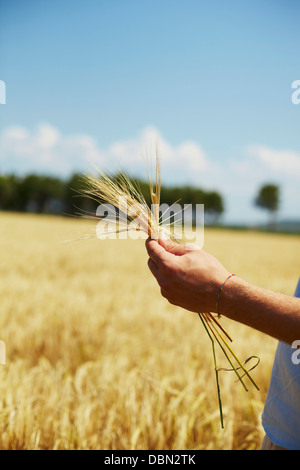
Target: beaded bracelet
(220,291)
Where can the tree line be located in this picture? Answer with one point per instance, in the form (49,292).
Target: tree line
(51,195)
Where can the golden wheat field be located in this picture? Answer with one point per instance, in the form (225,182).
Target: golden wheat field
(97,359)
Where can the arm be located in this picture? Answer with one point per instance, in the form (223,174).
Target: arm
(191,278)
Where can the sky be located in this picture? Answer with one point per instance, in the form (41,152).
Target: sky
(97,82)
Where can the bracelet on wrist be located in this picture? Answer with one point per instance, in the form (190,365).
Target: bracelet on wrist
(220,292)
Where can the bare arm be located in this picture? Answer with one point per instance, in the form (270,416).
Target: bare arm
(191,279)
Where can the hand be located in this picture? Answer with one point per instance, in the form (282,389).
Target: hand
(188,276)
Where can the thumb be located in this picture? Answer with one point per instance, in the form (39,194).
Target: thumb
(172,247)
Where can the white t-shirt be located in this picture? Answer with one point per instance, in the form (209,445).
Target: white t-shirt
(281,415)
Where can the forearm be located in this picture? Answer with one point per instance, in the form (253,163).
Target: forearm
(275,314)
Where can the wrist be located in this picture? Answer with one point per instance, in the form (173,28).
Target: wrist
(227,294)
(221,290)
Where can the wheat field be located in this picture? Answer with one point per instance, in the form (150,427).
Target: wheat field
(97,359)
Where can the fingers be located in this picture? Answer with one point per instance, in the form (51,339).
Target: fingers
(172,247)
(156,252)
(156,272)
(192,247)
(177,248)
(164,250)
(153,268)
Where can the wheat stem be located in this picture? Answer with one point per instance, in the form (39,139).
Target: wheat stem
(216,370)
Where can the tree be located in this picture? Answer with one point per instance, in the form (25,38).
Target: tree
(8,192)
(75,202)
(38,193)
(214,206)
(268,199)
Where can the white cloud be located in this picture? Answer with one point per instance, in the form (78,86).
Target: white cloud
(45,149)
(180,162)
(46,136)
(277,161)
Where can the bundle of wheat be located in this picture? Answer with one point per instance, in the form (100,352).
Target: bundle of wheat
(123,194)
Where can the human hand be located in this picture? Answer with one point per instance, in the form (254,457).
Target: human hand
(188,276)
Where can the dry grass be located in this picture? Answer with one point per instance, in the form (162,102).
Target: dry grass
(96,359)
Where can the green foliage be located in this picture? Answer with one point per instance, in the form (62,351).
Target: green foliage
(268,197)
(8,192)
(46,194)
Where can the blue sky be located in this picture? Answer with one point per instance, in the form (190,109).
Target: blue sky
(210,79)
